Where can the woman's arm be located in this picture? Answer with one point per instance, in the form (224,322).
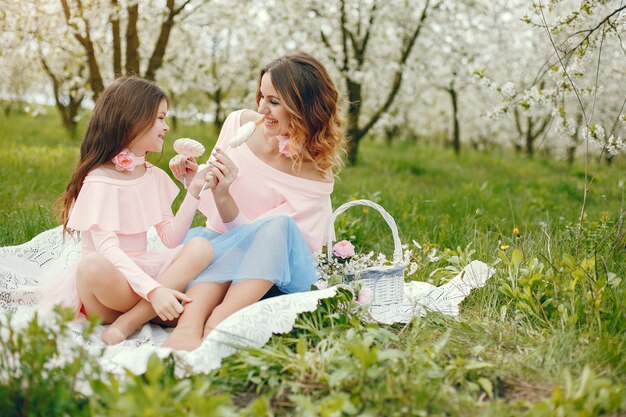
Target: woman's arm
(225,172)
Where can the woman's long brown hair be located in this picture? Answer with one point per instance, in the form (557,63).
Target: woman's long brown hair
(311,97)
(127,108)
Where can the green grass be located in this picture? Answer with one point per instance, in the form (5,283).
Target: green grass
(545,336)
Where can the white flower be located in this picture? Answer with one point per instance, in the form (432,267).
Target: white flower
(508,90)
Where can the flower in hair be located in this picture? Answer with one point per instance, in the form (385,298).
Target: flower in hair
(283,145)
(125,160)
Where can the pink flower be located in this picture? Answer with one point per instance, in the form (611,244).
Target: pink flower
(343,249)
(321,284)
(124,161)
(366,295)
(283,146)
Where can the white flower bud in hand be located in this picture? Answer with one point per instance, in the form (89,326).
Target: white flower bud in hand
(188,147)
(242,134)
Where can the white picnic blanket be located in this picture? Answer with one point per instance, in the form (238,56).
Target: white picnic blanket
(23,267)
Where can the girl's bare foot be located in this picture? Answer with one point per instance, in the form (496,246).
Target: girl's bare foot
(184,339)
(113,335)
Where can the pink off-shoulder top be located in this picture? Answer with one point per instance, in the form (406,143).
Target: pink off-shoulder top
(261,190)
(113,217)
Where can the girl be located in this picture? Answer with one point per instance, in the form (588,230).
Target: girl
(271,205)
(113,198)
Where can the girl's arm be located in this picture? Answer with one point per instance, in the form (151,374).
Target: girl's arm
(164,300)
(108,244)
(173,229)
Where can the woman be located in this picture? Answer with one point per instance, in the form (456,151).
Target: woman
(271,205)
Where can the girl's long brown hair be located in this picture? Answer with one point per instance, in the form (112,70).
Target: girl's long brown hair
(312,99)
(127,108)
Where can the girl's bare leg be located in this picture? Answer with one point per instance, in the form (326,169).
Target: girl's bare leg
(238,296)
(192,259)
(188,333)
(102,288)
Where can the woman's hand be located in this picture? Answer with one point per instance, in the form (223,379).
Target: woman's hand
(204,179)
(224,170)
(184,168)
(165,302)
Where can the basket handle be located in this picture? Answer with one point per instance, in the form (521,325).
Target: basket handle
(397,251)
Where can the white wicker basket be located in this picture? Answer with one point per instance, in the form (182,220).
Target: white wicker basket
(386,282)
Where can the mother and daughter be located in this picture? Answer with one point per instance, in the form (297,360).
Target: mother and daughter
(267,208)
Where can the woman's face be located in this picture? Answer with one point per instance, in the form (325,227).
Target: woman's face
(272,108)
(151,140)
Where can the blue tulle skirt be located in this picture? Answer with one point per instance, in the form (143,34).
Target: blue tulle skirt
(271,248)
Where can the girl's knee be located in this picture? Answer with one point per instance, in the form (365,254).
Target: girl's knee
(91,268)
(200,248)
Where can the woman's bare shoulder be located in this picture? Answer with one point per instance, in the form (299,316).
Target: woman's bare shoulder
(310,172)
(250,116)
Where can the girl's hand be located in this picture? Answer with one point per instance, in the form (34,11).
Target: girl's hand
(224,170)
(203,179)
(165,302)
(183,167)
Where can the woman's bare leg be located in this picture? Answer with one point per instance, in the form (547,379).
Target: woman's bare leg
(238,296)
(188,333)
(102,288)
(192,259)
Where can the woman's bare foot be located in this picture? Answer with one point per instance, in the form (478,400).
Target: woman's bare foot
(184,339)
(113,335)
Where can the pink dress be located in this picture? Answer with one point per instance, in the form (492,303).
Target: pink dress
(261,191)
(113,217)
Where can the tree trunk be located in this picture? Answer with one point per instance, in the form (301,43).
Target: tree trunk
(68,112)
(391,133)
(217,115)
(571,152)
(132,40)
(354,110)
(117,41)
(456,130)
(529,137)
(354,42)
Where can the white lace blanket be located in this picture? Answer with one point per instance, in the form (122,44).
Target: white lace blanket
(24,267)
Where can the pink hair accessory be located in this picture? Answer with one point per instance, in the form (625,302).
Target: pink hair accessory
(283,145)
(126,160)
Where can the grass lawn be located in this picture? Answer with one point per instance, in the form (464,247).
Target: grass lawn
(544,337)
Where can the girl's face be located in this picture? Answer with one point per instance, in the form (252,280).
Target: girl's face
(151,140)
(272,108)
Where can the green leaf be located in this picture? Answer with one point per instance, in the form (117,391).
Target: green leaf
(486,385)
(516,259)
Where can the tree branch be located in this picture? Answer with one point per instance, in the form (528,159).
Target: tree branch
(368,31)
(156,60)
(344,36)
(95,78)
(397,80)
